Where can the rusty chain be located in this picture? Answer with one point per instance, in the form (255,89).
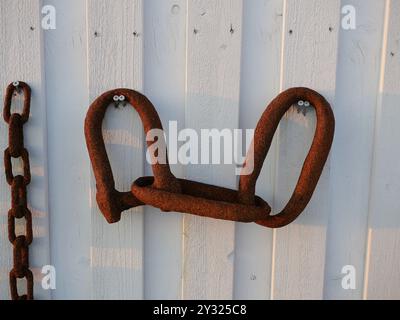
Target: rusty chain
(19,206)
(168,193)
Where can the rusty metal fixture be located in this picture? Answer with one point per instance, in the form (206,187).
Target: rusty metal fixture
(313,164)
(111,201)
(19,206)
(168,193)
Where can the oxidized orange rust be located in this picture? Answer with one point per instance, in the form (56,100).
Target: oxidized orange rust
(200,199)
(168,193)
(313,164)
(12,87)
(112,202)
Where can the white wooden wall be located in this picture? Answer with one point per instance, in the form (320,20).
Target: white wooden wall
(209,64)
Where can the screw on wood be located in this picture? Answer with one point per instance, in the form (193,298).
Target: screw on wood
(119,100)
(302,107)
(122,100)
(18,89)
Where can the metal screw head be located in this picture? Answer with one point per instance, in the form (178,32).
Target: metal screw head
(121,98)
(300,103)
(116,98)
(16,83)
(306,103)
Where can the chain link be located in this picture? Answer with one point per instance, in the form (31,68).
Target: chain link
(19,204)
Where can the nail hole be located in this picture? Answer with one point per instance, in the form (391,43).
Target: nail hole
(330,29)
(175,9)
(195,31)
(32,28)
(232,31)
(290,31)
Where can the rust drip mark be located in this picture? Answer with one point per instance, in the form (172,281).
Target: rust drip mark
(168,193)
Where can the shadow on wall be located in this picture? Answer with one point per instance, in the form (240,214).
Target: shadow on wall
(385,181)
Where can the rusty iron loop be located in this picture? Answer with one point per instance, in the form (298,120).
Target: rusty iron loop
(202,200)
(12,87)
(313,164)
(112,202)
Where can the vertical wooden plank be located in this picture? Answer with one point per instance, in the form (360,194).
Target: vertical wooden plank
(212,101)
(260,80)
(115,60)
(355,106)
(309,59)
(382,279)
(21,59)
(165,75)
(66,76)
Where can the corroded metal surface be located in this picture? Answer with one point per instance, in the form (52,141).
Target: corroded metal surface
(19,206)
(168,193)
